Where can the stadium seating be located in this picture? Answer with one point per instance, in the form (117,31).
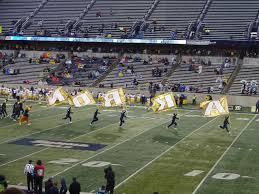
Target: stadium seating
(114,11)
(174,16)
(248,72)
(12,11)
(225,19)
(206,79)
(143,74)
(56,13)
(229,19)
(30,72)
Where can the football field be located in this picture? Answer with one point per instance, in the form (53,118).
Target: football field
(197,157)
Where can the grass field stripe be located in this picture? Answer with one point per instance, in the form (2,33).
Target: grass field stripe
(50,147)
(33,119)
(105,150)
(163,153)
(40,131)
(222,156)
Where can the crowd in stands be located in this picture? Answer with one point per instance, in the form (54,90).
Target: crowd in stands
(77,67)
(249,88)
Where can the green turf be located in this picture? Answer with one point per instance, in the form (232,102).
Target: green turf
(146,156)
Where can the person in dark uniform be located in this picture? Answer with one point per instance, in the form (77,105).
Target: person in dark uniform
(173,122)
(68,115)
(4,108)
(110,179)
(21,107)
(16,111)
(225,124)
(123,115)
(1,112)
(95,118)
(257,107)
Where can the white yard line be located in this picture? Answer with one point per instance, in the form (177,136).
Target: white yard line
(36,118)
(114,146)
(40,131)
(105,150)
(163,153)
(50,147)
(222,156)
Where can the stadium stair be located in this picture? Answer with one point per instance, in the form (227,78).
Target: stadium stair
(56,13)
(229,19)
(143,74)
(29,18)
(248,72)
(206,79)
(114,11)
(172,70)
(110,69)
(12,11)
(233,76)
(174,15)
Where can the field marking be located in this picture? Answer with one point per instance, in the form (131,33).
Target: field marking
(222,156)
(50,147)
(242,119)
(2,154)
(163,153)
(44,149)
(6,141)
(105,150)
(35,118)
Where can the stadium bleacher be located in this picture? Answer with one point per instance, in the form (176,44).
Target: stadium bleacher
(27,72)
(228,19)
(173,16)
(55,15)
(203,80)
(223,19)
(12,11)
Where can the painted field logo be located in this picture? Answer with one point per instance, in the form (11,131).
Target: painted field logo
(58,144)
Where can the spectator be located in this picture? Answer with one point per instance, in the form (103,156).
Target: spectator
(39,175)
(54,189)
(3,184)
(75,187)
(99,14)
(102,190)
(194,99)
(63,188)
(13,190)
(28,171)
(48,185)
(110,178)
(257,106)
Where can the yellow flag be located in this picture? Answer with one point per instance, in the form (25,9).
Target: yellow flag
(59,95)
(82,99)
(215,108)
(163,102)
(114,98)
